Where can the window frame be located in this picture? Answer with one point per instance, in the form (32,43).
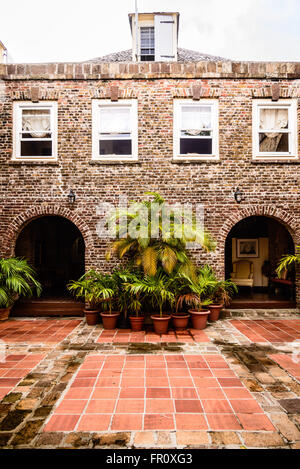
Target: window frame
(291,105)
(96,105)
(214,104)
(146,57)
(18,106)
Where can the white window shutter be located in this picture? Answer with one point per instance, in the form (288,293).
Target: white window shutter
(164,48)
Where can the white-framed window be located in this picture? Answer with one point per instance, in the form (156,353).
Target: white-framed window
(115,130)
(147,45)
(275,129)
(196,130)
(35,131)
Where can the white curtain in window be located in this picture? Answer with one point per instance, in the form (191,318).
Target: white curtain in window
(272,119)
(195,119)
(35,123)
(115,120)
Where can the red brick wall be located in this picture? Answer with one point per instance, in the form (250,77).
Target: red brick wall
(30,189)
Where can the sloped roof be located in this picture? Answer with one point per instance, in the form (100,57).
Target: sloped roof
(184,55)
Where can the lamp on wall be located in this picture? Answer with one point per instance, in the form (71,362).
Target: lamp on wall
(238,195)
(71,196)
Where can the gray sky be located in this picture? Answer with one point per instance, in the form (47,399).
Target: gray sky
(72,30)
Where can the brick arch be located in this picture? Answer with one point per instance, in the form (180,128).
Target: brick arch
(278,214)
(19,222)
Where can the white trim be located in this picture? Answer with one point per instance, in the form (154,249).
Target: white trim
(96,104)
(291,105)
(178,103)
(18,106)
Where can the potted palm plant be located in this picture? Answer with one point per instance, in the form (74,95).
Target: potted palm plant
(156,288)
(17,279)
(195,292)
(90,288)
(220,293)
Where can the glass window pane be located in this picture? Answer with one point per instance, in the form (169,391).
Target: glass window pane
(115,120)
(274,142)
(36,122)
(200,146)
(274,119)
(115,147)
(36,148)
(196,118)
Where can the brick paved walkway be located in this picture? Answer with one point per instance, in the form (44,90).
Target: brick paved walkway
(70,385)
(275,332)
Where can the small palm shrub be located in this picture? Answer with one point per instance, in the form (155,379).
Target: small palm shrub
(157,289)
(94,288)
(17,279)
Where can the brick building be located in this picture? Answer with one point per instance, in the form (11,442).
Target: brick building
(123,125)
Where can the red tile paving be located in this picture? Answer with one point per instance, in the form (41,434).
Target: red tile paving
(290,363)
(127,336)
(39,331)
(145,401)
(13,368)
(273,331)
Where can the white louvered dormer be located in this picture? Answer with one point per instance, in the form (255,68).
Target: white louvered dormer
(155,36)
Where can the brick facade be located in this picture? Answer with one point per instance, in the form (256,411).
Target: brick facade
(31,189)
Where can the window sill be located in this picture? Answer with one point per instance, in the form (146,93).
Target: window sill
(114,161)
(197,160)
(33,162)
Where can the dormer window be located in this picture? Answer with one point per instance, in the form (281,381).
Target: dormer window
(147,44)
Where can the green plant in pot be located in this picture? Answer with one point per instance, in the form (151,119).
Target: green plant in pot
(128,302)
(91,289)
(157,289)
(220,293)
(17,279)
(195,293)
(180,319)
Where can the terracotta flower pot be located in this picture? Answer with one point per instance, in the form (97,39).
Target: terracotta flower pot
(160,323)
(109,320)
(214,312)
(4,313)
(180,321)
(199,318)
(136,323)
(91,317)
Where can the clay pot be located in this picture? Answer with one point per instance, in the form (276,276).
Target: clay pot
(91,317)
(180,321)
(4,313)
(199,318)
(214,312)
(109,320)
(136,323)
(160,323)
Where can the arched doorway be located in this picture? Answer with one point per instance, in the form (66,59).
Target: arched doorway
(257,243)
(55,247)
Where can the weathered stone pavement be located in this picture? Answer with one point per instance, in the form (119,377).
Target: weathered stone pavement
(62,387)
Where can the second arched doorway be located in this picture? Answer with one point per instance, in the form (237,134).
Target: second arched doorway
(54,246)
(257,243)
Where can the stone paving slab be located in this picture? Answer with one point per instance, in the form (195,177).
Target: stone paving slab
(148,336)
(29,406)
(277,331)
(161,392)
(291,364)
(38,331)
(14,367)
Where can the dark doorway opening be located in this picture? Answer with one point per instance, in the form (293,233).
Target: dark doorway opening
(254,246)
(54,246)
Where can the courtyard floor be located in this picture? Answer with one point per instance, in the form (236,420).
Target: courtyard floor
(64,384)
